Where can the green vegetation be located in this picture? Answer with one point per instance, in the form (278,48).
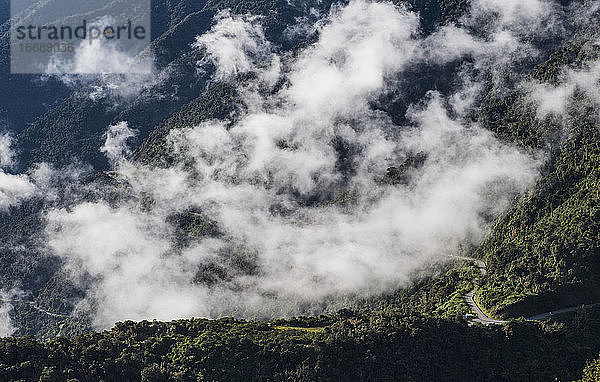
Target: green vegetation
(217,102)
(439,294)
(543,254)
(592,372)
(352,346)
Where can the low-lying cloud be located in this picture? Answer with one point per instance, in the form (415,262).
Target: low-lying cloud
(7,298)
(7,155)
(115,147)
(106,69)
(285,207)
(310,193)
(13,188)
(235,45)
(554,99)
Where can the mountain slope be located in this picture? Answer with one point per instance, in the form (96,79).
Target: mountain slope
(543,253)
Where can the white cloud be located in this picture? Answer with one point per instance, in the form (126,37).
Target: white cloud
(7,155)
(500,37)
(6,325)
(235,44)
(110,70)
(115,147)
(361,46)
(14,189)
(514,11)
(7,297)
(554,100)
(264,178)
(127,250)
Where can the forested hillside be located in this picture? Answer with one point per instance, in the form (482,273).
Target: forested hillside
(307,197)
(348,346)
(543,253)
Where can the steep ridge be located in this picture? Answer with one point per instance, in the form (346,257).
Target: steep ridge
(543,253)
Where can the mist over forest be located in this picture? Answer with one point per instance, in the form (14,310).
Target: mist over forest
(267,184)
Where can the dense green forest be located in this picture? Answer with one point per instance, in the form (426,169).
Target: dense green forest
(543,253)
(407,336)
(592,371)
(347,346)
